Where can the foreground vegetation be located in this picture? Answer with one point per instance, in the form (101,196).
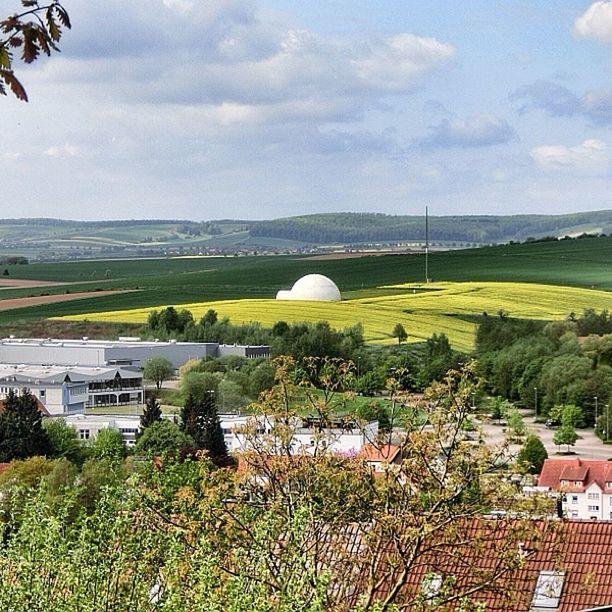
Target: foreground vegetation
(277,534)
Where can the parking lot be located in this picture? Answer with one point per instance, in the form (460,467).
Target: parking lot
(588,446)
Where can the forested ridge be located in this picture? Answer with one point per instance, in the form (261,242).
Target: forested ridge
(345,228)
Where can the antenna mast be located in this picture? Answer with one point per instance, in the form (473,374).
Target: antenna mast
(427,244)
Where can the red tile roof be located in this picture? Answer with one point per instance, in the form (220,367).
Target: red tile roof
(386,452)
(585,471)
(468,554)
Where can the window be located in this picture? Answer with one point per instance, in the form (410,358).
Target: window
(593,508)
(548,589)
(575,514)
(574,499)
(430,586)
(84,434)
(609,484)
(564,483)
(42,393)
(593,496)
(577,483)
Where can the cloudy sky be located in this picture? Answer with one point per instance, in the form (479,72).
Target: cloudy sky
(208,109)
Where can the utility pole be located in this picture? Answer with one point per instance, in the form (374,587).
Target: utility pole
(426,244)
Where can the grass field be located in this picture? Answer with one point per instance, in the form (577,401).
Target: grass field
(422,313)
(377,290)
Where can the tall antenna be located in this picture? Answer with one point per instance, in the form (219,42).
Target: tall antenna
(427,244)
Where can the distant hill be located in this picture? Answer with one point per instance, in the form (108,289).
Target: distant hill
(355,228)
(50,239)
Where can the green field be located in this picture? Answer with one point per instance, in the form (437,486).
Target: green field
(581,263)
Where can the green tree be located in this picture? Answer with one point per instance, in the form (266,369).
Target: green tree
(568,414)
(152,413)
(499,408)
(200,420)
(516,425)
(400,333)
(566,434)
(532,455)
(36,29)
(64,441)
(108,444)
(21,431)
(210,318)
(162,437)
(199,384)
(157,369)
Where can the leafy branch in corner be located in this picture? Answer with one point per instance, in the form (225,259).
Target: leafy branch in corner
(36,29)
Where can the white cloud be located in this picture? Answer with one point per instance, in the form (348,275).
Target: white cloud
(595,22)
(477,131)
(234,62)
(590,158)
(63,151)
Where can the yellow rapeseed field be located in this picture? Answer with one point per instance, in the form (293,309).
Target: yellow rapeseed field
(422,313)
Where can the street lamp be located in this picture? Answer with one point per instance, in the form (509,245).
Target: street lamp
(595,398)
(535,390)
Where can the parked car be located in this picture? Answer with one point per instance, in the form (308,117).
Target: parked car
(552,423)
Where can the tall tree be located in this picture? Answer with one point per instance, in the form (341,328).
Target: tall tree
(157,369)
(152,413)
(21,431)
(400,333)
(200,421)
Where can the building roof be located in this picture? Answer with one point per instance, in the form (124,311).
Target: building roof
(571,471)
(386,452)
(58,374)
(566,565)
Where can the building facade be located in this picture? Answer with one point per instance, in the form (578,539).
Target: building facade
(123,352)
(70,389)
(584,487)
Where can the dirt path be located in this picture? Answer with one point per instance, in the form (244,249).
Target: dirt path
(37,300)
(16,283)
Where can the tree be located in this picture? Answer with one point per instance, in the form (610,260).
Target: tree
(64,441)
(566,434)
(568,414)
(108,444)
(157,369)
(516,425)
(499,408)
(162,437)
(21,431)
(209,319)
(532,455)
(152,413)
(400,333)
(36,29)
(200,421)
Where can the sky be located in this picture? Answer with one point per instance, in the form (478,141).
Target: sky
(215,109)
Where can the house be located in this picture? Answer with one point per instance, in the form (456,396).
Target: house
(584,486)
(380,457)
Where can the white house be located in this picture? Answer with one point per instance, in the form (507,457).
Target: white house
(584,485)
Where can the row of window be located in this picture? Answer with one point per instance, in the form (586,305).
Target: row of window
(580,483)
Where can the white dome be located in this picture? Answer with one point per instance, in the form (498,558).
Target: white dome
(312,287)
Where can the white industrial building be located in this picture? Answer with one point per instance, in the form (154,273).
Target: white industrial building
(67,389)
(122,352)
(308,437)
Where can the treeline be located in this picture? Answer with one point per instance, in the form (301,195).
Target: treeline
(299,339)
(544,365)
(347,228)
